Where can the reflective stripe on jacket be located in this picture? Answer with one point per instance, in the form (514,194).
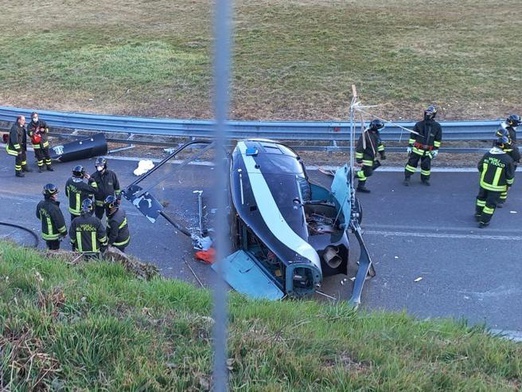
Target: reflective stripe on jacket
(77,191)
(367,148)
(87,234)
(117,228)
(53,221)
(497,170)
(17,140)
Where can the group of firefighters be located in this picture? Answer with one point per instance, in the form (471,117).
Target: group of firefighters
(37,131)
(497,166)
(90,197)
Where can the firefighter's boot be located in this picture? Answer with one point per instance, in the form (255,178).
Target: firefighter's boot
(50,168)
(361,187)
(406,181)
(26,169)
(18,173)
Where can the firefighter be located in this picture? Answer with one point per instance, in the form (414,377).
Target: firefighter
(17,146)
(106,182)
(368,145)
(118,234)
(508,129)
(37,130)
(53,222)
(77,190)
(87,233)
(423,145)
(497,171)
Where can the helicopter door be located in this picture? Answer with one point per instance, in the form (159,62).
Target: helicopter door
(242,273)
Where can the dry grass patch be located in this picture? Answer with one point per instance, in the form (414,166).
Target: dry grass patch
(292,59)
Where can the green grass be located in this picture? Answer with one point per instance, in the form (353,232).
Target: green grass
(93,326)
(291,59)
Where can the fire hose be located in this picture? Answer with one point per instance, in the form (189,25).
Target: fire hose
(33,234)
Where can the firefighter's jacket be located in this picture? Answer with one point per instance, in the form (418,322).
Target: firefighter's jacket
(497,170)
(368,145)
(53,222)
(87,234)
(77,191)
(117,228)
(106,184)
(429,137)
(40,129)
(17,140)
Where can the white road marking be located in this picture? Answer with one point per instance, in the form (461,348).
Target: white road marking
(471,236)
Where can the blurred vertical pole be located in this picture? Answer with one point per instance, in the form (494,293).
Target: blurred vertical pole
(222,55)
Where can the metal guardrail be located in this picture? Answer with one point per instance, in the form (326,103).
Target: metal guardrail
(283,130)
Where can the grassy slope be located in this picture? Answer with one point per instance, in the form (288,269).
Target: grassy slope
(95,327)
(292,59)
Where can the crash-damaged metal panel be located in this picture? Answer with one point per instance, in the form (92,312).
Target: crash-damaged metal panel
(242,273)
(341,190)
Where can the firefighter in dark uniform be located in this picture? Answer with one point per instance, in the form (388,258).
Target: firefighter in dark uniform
(37,130)
(87,233)
(497,172)
(368,145)
(17,146)
(423,145)
(77,190)
(53,222)
(508,129)
(107,184)
(118,234)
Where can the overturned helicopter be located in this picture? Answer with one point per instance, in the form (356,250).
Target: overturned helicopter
(287,233)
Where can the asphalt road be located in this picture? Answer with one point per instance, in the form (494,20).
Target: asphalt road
(431,258)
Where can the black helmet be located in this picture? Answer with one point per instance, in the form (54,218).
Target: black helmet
(502,132)
(87,206)
(78,171)
(430,112)
(110,202)
(514,120)
(100,161)
(376,124)
(49,190)
(501,141)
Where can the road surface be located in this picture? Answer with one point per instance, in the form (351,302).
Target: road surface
(431,258)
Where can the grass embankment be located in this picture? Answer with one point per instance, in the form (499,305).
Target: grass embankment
(94,326)
(291,59)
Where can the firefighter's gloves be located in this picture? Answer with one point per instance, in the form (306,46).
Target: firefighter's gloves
(433,154)
(409,149)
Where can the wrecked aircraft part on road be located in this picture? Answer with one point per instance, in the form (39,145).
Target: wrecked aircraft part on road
(80,149)
(287,233)
(149,206)
(286,228)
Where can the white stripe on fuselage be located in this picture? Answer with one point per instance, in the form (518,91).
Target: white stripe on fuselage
(270,212)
